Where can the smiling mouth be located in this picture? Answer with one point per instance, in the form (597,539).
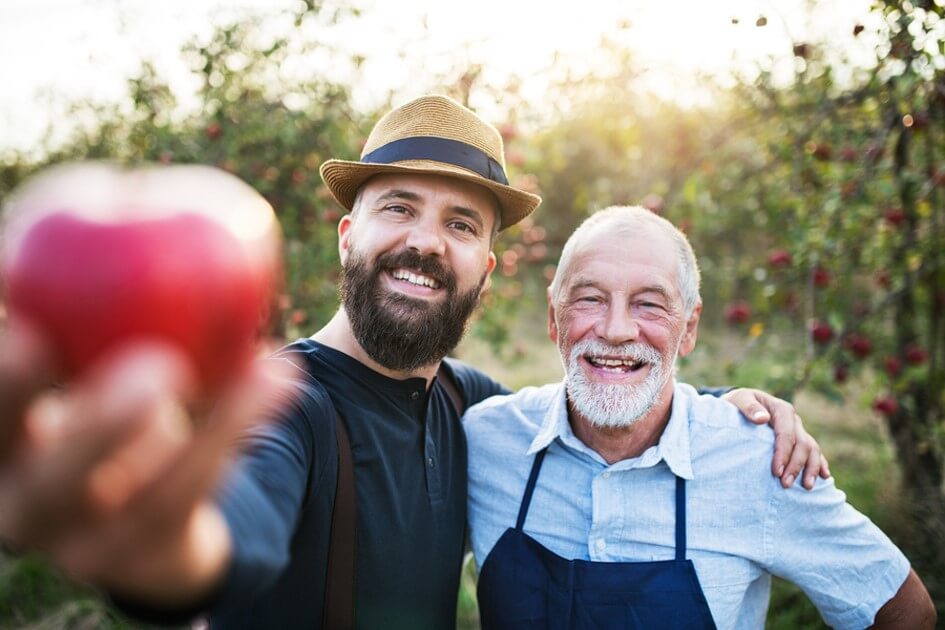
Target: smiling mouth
(615,365)
(416,279)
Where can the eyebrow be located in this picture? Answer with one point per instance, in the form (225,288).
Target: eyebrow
(408,195)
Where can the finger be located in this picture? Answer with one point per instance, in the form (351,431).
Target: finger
(62,486)
(799,456)
(786,425)
(194,473)
(824,467)
(26,368)
(749,403)
(812,468)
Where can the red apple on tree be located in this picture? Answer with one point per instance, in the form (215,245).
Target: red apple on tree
(893,366)
(841,373)
(858,345)
(886,405)
(894,216)
(916,355)
(821,332)
(95,257)
(821,278)
(779,258)
(737,312)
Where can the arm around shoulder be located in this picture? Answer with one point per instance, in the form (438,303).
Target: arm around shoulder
(911,607)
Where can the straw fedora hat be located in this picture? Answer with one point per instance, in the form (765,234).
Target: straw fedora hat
(433,135)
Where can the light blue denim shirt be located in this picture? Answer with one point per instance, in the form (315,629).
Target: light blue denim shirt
(741,525)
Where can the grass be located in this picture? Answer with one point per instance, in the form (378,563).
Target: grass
(33,596)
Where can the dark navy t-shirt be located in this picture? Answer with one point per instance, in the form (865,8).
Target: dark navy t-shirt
(409,455)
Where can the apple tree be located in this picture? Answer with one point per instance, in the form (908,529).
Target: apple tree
(839,176)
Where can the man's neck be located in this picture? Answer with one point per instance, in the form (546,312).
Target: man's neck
(616,444)
(339,335)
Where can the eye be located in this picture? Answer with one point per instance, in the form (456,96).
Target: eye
(462,226)
(396,209)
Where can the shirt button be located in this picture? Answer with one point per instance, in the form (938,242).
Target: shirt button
(601,544)
(414,395)
(606,474)
(431,462)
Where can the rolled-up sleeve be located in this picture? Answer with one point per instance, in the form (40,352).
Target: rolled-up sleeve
(846,565)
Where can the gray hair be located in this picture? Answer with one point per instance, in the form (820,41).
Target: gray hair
(630,219)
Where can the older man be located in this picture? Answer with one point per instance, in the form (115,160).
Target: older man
(128,501)
(622,499)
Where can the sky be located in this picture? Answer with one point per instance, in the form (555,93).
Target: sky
(54,51)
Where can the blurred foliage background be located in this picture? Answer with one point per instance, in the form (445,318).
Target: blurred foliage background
(816,205)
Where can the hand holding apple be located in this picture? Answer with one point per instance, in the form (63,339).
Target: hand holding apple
(147,289)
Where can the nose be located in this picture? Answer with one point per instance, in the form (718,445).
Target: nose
(425,237)
(618,325)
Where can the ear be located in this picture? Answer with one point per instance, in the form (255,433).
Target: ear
(490,267)
(688,341)
(344,237)
(552,322)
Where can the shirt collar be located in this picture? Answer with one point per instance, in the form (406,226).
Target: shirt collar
(673,446)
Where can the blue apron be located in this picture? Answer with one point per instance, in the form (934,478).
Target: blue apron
(524,585)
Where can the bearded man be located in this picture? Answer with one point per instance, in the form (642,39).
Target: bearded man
(427,198)
(623,499)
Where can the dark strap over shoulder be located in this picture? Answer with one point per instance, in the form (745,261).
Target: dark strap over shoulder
(338,611)
(342,545)
(445,376)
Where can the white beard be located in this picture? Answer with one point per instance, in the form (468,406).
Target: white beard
(614,405)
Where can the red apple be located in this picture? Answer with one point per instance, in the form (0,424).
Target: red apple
(840,373)
(916,355)
(737,313)
(821,332)
(894,216)
(893,366)
(821,278)
(859,345)
(95,257)
(822,152)
(886,405)
(214,130)
(779,258)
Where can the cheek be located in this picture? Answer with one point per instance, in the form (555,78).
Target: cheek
(574,326)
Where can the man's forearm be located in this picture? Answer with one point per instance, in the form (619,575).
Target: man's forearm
(910,608)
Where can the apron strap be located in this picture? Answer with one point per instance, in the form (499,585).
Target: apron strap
(530,488)
(680,518)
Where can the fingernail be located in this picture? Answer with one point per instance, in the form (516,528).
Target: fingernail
(780,470)
(789,480)
(758,415)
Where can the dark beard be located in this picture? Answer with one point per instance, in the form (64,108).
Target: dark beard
(402,333)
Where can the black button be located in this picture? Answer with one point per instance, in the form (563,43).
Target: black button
(414,395)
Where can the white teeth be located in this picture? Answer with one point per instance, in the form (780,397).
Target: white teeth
(614,362)
(412,278)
